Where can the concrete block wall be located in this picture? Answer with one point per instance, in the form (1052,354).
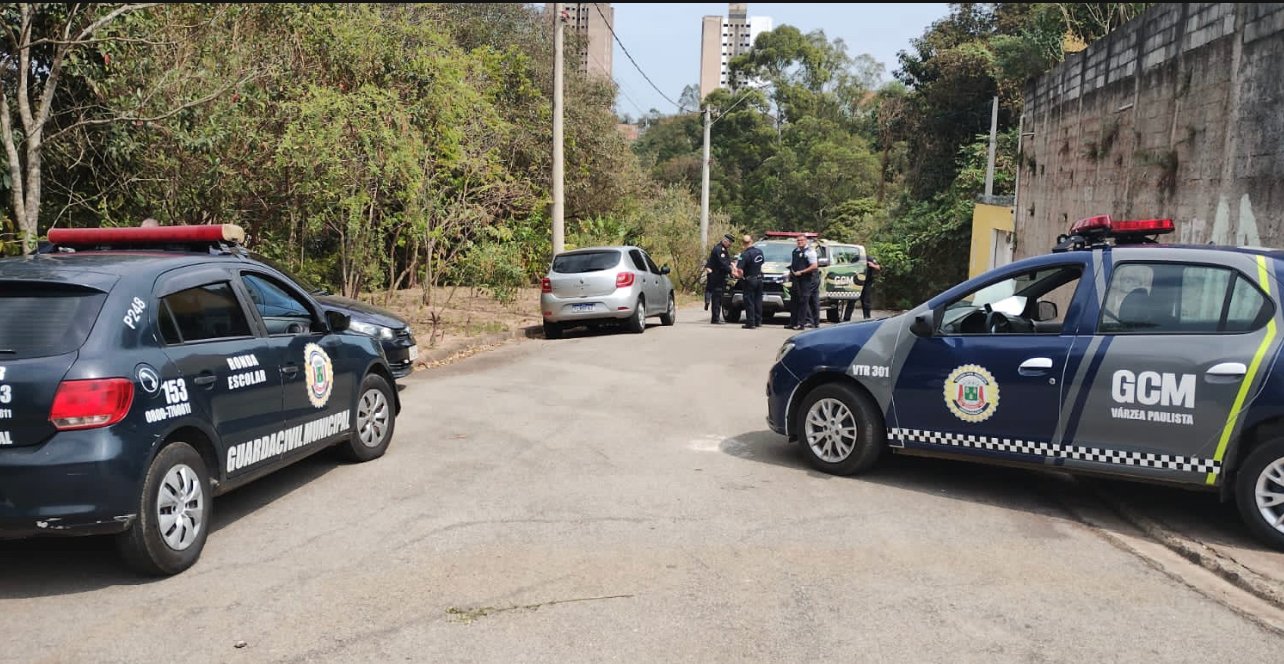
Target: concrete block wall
(1178,113)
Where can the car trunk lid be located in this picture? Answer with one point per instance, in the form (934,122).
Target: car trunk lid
(584,273)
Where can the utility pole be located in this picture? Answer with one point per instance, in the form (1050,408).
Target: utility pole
(704,182)
(989,165)
(559,229)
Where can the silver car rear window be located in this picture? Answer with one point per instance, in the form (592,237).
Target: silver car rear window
(588,261)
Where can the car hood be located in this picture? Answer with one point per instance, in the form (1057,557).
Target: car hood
(360,311)
(831,346)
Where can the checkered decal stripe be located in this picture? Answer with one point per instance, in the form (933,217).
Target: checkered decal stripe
(1056,451)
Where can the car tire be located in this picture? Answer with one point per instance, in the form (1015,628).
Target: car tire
(670,315)
(373,421)
(732,314)
(840,430)
(173,514)
(832,314)
(552,330)
(637,322)
(1263,472)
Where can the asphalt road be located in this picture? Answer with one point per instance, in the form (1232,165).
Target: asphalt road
(615,497)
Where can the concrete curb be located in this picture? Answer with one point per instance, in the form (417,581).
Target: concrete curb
(1245,578)
(462,347)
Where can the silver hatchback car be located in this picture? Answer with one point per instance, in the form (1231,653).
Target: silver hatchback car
(597,284)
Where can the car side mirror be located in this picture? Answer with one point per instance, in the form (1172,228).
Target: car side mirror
(822,262)
(664,270)
(1047,311)
(337,321)
(922,325)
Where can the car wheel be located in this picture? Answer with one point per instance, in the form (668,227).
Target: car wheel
(637,322)
(552,330)
(173,514)
(732,314)
(832,314)
(841,430)
(373,421)
(670,315)
(1259,492)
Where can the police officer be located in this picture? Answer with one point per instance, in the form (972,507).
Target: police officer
(872,269)
(805,292)
(719,268)
(749,270)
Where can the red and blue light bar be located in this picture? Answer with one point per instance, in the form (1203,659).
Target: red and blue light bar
(157,235)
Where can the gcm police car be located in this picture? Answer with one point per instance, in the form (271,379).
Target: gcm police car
(139,378)
(1112,355)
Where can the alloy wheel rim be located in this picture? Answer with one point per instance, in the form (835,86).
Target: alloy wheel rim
(180,507)
(372,418)
(1269,494)
(831,430)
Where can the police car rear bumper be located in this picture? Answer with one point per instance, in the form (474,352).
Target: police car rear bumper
(76,483)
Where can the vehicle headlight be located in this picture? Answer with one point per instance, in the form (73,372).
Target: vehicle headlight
(784,350)
(371,330)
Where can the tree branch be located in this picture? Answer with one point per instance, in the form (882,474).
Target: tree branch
(155,118)
(15,166)
(111,16)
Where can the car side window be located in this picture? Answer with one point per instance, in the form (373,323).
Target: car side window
(639,263)
(203,313)
(1178,298)
(282,311)
(1028,303)
(650,264)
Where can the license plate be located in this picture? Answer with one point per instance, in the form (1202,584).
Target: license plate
(414,353)
(577,308)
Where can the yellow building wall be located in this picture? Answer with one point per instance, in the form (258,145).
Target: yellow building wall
(985,220)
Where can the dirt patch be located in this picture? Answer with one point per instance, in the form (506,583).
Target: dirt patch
(460,318)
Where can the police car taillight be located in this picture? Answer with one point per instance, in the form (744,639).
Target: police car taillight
(158,235)
(88,404)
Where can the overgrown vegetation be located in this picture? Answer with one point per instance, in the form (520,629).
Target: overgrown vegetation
(376,147)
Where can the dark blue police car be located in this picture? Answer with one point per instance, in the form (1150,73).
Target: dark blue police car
(143,372)
(1112,355)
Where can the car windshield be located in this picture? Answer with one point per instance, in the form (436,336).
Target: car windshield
(586,261)
(41,320)
(314,290)
(776,252)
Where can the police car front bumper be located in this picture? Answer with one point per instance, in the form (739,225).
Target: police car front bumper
(770,301)
(76,483)
(781,384)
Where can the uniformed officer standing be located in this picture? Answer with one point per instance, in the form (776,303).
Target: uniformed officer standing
(805,292)
(749,270)
(872,268)
(719,268)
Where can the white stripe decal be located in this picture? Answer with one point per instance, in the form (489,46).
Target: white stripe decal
(1056,451)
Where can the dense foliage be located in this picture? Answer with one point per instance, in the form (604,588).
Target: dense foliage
(372,147)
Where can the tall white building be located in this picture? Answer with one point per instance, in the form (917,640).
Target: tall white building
(723,38)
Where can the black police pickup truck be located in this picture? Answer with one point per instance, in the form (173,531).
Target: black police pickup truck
(140,376)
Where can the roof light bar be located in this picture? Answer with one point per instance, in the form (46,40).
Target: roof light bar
(809,234)
(1095,224)
(1141,227)
(160,235)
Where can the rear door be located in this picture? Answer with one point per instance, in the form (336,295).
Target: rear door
(650,280)
(226,370)
(42,326)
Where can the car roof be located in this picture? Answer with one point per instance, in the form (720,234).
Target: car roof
(585,250)
(100,268)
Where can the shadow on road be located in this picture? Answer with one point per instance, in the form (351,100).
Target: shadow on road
(47,566)
(1195,514)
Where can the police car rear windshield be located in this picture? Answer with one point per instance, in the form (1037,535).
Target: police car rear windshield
(586,261)
(42,320)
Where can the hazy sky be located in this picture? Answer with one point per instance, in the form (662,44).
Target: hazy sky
(664,38)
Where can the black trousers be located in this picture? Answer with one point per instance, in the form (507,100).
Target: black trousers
(805,298)
(715,294)
(865,298)
(752,300)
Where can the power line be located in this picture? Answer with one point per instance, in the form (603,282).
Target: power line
(610,27)
(620,85)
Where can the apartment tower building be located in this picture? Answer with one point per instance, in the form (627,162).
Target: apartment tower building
(723,38)
(592,21)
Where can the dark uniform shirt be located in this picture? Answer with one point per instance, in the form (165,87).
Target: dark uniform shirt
(720,262)
(751,262)
(800,261)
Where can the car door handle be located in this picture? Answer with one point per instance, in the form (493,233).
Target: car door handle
(1035,365)
(1228,370)
(290,369)
(205,380)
